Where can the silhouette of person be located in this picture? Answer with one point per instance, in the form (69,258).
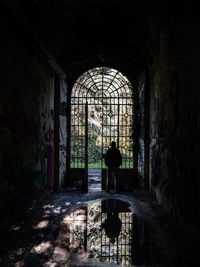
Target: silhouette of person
(112,224)
(113,160)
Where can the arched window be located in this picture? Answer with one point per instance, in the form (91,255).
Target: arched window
(101,111)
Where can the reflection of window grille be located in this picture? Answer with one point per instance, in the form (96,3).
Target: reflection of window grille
(109,97)
(120,251)
(84,232)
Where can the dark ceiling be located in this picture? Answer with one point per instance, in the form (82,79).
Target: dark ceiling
(84,34)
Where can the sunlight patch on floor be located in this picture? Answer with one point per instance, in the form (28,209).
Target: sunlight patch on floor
(42,224)
(41,248)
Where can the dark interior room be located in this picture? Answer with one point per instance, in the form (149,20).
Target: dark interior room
(99,133)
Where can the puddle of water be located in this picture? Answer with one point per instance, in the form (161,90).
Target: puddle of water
(108,231)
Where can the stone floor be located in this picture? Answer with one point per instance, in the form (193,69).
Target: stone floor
(68,229)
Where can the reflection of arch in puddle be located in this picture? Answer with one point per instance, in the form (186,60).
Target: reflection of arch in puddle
(117,232)
(110,231)
(88,236)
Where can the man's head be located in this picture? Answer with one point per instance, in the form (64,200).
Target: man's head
(112,240)
(113,144)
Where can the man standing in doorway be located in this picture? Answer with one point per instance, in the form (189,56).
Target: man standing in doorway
(113,160)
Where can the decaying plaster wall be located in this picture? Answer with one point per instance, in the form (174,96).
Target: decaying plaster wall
(63,131)
(175,120)
(26,115)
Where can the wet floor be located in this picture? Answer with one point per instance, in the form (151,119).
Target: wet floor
(108,231)
(94,229)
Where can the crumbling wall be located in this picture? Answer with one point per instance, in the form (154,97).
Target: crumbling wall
(175,119)
(63,131)
(26,115)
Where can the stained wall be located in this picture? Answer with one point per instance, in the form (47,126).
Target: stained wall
(175,117)
(26,116)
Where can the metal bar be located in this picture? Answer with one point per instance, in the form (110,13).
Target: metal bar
(117,252)
(112,97)
(109,250)
(107,125)
(125,231)
(102,129)
(118,114)
(101,235)
(77,162)
(119,87)
(81,107)
(89,88)
(93,81)
(85,230)
(121,230)
(86,148)
(113,79)
(125,107)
